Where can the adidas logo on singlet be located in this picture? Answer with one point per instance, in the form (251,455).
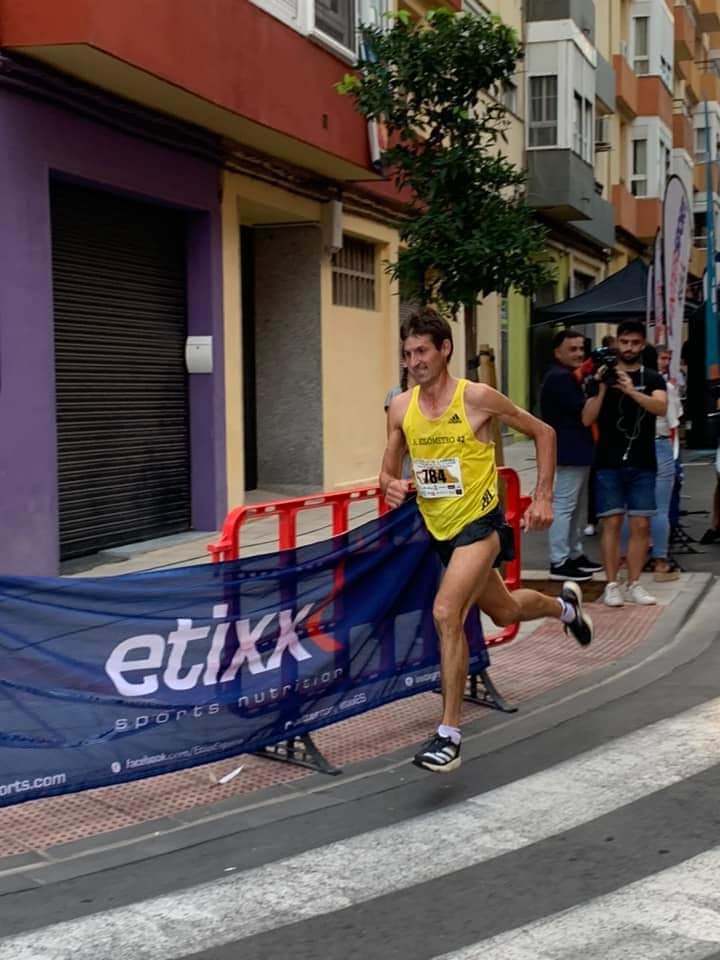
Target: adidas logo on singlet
(455,418)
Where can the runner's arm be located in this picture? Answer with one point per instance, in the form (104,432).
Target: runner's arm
(393,487)
(539,513)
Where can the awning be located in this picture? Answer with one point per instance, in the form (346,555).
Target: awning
(620,297)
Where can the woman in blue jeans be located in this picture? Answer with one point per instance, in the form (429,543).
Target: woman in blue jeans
(663,568)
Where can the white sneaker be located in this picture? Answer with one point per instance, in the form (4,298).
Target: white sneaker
(636,593)
(612,597)
(589,530)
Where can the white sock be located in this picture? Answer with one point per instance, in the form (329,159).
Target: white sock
(567,611)
(452,732)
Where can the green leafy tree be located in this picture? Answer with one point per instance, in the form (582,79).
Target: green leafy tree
(471,232)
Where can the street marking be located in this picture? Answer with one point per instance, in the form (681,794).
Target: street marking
(670,915)
(392,858)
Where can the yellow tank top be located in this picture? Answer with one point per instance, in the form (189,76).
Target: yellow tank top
(454,472)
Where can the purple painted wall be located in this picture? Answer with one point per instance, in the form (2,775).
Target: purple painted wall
(36,141)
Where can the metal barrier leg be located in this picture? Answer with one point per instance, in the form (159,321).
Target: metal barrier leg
(301,752)
(489,696)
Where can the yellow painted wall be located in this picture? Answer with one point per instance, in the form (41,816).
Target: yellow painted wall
(359,347)
(245,202)
(359,365)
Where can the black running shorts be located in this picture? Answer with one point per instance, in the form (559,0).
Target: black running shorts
(480,529)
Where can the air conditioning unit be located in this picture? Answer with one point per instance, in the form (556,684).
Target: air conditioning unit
(602,134)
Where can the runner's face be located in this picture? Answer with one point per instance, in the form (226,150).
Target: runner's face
(664,361)
(424,361)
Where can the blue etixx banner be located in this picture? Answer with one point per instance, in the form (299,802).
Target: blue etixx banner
(110,679)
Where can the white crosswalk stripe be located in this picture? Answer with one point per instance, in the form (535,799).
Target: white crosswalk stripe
(392,858)
(672,915)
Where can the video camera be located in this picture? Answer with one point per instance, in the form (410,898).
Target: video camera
(604,360)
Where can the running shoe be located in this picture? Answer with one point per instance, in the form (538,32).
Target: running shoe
(439,755)
(581,626)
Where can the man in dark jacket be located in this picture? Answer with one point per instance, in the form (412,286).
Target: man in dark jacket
(561,402)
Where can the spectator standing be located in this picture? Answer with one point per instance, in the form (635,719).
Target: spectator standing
(665,430)
(625,403)
(562,401)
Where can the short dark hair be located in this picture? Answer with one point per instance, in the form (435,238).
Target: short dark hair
(608,340)
(428,323)
(562,335)
(631,326)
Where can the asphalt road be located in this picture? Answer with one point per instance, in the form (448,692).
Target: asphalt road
(587,826)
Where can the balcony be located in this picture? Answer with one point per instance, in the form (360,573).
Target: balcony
(605,84)
(684,34)
(654,99)
(710,86)
(582,12)
(683,134)
(228,67)
(600,228)
(626,85)
(700,178)
(708,15)
(560,183)
(639,216)
(692,76)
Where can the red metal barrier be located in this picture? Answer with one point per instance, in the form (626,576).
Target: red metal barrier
(286,512)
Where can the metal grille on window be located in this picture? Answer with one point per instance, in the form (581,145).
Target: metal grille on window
(354,274)
(336,19)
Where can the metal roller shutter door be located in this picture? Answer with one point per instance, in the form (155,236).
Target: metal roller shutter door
(121,385)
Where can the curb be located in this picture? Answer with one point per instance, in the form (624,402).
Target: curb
(672,642)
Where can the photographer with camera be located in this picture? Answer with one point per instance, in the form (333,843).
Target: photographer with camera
(561,404)
(625,399)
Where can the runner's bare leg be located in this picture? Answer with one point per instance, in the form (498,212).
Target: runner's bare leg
(468,570)
(505,607)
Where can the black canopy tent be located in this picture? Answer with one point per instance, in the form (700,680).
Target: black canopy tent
(621,296)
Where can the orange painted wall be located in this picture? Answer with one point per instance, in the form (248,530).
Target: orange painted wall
(227,51)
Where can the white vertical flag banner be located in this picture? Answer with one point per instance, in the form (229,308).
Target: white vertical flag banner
(649,312)
(676,258)
(660,333)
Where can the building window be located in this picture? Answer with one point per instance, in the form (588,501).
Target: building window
(665,163)
(543,111)
(641,56)
(336,19)
(353,274)
(638,180)
(588,138)
(333,23)
(508,96)
(700,144)
(666,72)
(577,123)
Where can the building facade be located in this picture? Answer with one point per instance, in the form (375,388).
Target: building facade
(194,186)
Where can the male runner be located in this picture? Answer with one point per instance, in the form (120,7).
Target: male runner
(445,425)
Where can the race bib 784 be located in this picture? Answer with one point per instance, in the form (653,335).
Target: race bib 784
(438,478)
